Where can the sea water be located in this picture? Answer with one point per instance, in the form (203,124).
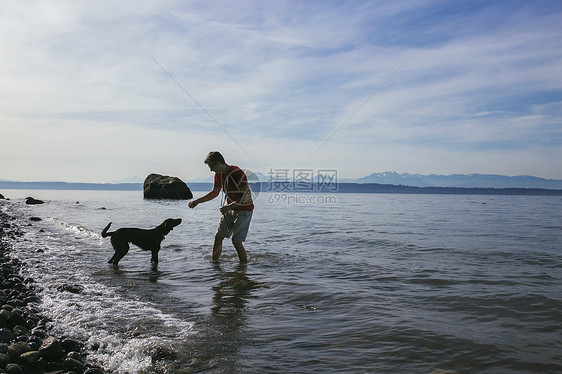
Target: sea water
(347,283)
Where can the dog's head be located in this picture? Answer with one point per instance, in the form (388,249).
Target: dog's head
(169,224)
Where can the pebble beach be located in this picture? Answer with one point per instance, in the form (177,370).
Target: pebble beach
(26,342)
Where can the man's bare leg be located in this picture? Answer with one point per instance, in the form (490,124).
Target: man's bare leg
(240,249)
(217,247)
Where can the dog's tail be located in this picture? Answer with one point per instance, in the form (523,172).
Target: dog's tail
(104,232)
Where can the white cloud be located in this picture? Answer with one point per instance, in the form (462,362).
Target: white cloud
(80,87)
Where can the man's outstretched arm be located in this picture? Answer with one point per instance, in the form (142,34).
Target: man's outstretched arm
(209,196)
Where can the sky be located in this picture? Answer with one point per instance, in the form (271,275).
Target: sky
(98,91)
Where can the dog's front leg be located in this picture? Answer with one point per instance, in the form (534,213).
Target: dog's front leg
(154,259)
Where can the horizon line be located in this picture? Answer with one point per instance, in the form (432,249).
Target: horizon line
(345,179)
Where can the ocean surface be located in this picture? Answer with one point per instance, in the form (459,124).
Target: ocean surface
(342,283)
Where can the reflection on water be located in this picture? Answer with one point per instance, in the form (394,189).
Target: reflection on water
(154,275)
(231,295)
(225,331)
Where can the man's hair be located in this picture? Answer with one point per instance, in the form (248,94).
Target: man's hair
(214,157)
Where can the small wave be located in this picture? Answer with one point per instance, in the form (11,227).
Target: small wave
(433,281)
(119,333)
(78,230)
(136,355)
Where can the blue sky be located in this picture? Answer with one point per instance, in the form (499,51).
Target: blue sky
(99,91)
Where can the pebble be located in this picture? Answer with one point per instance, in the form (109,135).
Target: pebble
(6,335)
(13,369)
(74,365)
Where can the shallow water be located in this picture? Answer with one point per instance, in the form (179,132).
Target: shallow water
(355,283)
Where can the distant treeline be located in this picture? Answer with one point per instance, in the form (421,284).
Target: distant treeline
(295,188)
(389,188)
(397,189)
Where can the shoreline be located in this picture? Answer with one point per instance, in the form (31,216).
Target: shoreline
(26,343)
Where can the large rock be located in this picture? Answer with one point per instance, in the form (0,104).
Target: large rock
(158,186)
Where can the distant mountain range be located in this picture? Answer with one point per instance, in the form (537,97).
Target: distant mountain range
(459,180)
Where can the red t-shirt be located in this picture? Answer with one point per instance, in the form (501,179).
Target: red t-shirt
(232,185)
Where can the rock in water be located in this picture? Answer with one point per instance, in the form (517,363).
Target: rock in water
(73,288)
(32,201)
(158,186)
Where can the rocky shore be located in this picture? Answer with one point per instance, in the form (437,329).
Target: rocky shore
(26,342)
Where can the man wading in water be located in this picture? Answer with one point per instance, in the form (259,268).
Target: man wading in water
(237,213)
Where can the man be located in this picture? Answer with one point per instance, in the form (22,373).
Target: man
(237,212)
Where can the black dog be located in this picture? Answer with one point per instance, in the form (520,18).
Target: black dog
(148,240)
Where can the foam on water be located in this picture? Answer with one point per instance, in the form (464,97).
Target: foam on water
(76,229)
